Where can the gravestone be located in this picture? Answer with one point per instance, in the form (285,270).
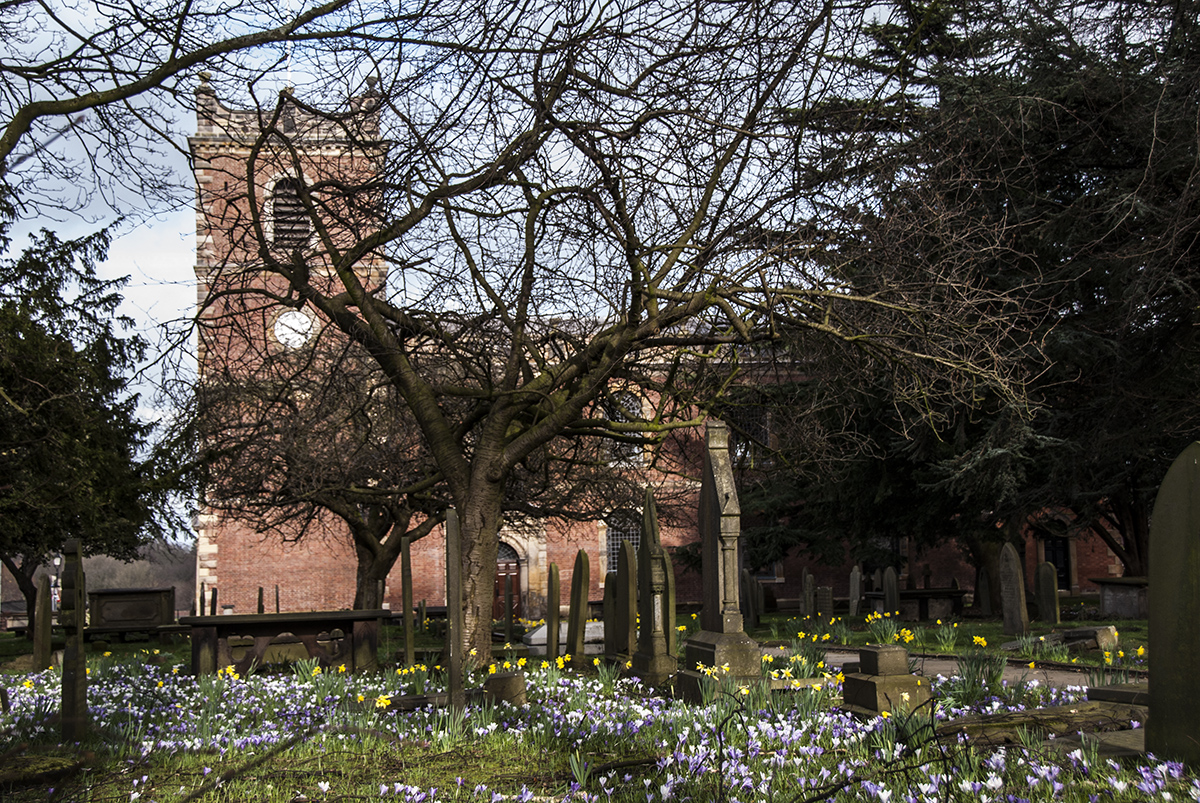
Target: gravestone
(577,616)
(608,614)
(883,684)
(406,600)
(926,577)
(749,600)
(877,580)
(1046,586)
(74,671)
(454,611)
(625,641)
(721,640)
(910,582)
(825,601)
(891,591)
(810,595)
(655,661)
(261,600)
(1012,592)
(42,625)
(983,592)
(855,590)
(1174,611)
(552,611)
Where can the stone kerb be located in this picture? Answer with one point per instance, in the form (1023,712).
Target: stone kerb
(1174,591)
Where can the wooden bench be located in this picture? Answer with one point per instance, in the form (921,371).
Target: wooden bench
(358,649)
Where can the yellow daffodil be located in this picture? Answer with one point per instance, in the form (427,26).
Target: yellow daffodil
(383,701)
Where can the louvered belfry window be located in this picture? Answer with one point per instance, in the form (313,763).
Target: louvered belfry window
(288,216)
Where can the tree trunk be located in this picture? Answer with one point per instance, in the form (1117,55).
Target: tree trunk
(480,522)
(371,574)
(27,587)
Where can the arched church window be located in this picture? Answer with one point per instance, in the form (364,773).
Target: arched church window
(289,219)
(624,407)
(623,525)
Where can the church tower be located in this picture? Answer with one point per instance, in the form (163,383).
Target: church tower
(259,177)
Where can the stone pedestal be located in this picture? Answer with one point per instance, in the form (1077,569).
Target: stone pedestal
(738,651)
(883,683)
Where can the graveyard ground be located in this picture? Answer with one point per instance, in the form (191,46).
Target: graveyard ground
(293,735)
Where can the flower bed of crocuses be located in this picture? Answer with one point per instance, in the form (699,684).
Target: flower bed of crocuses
(601,738)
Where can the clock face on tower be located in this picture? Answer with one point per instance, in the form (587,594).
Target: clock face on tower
(293,328)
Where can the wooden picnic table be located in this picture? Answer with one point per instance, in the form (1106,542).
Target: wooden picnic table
(358,649)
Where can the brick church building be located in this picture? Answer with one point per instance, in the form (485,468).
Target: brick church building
(248,321)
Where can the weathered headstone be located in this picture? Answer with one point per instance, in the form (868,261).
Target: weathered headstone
(42,625)
(1046,586)
(877,580)
(74,674)
(1171,730)
(721,640)
(608,614)
(825,601)
(654,661)
(1012,592)
(926,577)
(552,612)
(625,639)
(749,600)
(983,592)
(910,582)
(891,591)
(577,617)
(810,594)
(406,600)
(855,590)
(454,611)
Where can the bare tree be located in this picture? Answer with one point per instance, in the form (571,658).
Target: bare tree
(536,208)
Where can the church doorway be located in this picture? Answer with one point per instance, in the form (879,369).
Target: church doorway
(508,565)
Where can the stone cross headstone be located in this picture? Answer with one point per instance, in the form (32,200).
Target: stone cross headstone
(577,617)
(1174,591)
(810,594)
(406,600)
(654,661)
(627,597)
(1046,586)
(553,600)
(454,611)
(825,601)
(891,591)
(42,625)
(721,640)
(983,592)
(608,612)
(1012,592)
(855,590)
(74,672)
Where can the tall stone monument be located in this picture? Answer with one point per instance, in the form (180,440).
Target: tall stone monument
(1171,730)
(1012,592)
(74,672)
(655,661)
(855,590)
(721,640)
